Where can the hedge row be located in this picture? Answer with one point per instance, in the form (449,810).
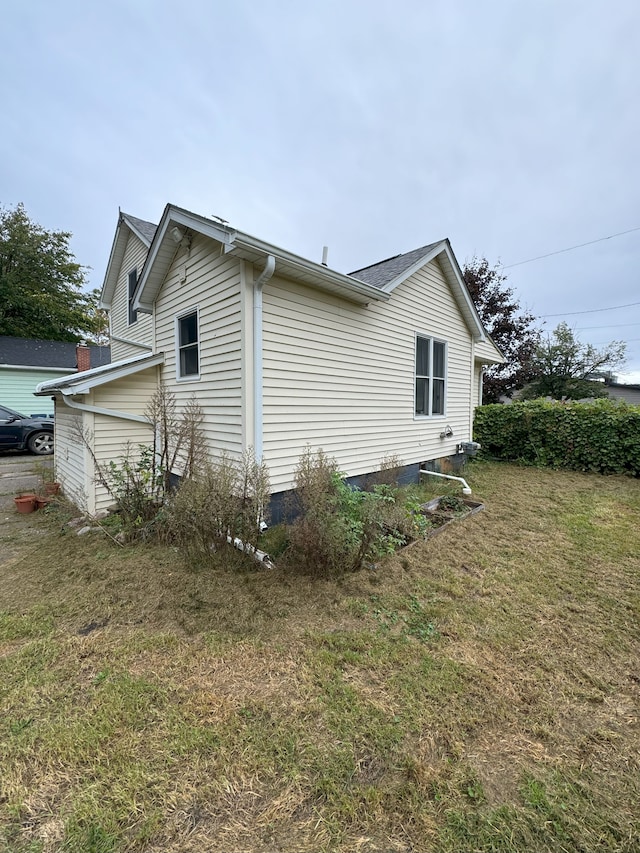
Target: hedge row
(601,436)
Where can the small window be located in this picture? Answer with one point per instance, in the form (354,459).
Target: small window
(431,358)
(133,280)
(188,346)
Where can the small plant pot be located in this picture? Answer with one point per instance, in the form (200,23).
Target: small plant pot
(25,503)
(42,501)
(51,488)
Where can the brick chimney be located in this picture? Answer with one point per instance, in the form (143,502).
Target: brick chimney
(83,357)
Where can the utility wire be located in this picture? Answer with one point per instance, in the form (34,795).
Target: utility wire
(609,326)
(592,310)
(570,249)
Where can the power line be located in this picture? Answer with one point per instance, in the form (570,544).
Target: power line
(592,310)
(570,249)
(609,326)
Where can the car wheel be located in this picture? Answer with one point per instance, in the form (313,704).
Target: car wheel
(41,443)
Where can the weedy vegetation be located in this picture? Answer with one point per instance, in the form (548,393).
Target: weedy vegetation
(477,691)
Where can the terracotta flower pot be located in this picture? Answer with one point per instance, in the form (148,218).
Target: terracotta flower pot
(25,503)
(51,488)
(42,501)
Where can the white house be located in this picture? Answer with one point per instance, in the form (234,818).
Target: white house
(279,351)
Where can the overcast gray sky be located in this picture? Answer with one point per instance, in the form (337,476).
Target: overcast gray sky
(371,127)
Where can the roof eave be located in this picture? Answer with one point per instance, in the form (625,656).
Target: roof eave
(309,272)
(158,263)
(244,246)
(83,382)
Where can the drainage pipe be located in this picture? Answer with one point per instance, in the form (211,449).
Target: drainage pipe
(465,486)
(258,285)
(111,413)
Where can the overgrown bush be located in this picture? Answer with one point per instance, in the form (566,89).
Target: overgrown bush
(338,527)
(223,499)
(600,436)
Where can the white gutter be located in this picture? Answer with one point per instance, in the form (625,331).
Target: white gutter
(112,413)
(258,284)
(466,490)
(130,342)
(302,266)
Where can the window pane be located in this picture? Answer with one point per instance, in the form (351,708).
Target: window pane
(422,396)
(438,397)
(188,329)
(422,356)
(133,280)
(189,361)
(438,360)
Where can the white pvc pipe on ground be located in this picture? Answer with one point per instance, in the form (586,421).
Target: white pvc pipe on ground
(465,486)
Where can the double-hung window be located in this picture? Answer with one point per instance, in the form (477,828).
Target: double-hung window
(431,373)
(188,346)
(133,280)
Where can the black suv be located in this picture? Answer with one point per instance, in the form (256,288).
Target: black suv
(18,432)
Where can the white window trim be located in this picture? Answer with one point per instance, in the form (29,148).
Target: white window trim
(432,339)
(192,377)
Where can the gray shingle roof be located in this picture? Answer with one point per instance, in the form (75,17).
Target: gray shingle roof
(380,274)
(33,353)
(147,229)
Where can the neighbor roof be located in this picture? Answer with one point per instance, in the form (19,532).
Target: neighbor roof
(383,272)
(25,352)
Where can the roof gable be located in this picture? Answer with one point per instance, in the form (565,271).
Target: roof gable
(127,225)
(389,274)
(373,283)
(27,352)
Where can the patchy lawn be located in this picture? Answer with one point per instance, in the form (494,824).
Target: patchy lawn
(479,691)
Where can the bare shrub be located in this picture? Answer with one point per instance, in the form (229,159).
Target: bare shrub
(222,500)
(178,436)
(391,467)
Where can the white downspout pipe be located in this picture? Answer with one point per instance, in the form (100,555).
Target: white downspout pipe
(465,486)
(112,413)
(258,285)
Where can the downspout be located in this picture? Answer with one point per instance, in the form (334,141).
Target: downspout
(112,413)
(258,285)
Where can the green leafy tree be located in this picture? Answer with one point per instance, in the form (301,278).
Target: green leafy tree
(511,329)
(41,284)
(567,368)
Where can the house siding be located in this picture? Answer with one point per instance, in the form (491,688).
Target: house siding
(17,387)
(70,455)
(140,331)
(111,435)
(209,281)
(341,376)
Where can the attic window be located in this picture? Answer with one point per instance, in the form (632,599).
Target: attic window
(431,370)
(188,354)
(133,280)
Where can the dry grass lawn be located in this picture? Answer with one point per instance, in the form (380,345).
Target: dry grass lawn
(476,692)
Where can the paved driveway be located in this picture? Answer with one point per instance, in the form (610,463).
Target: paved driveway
(20,472)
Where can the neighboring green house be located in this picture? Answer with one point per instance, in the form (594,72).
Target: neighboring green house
(25,363)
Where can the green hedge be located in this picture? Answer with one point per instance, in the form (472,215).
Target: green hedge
(602,436)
